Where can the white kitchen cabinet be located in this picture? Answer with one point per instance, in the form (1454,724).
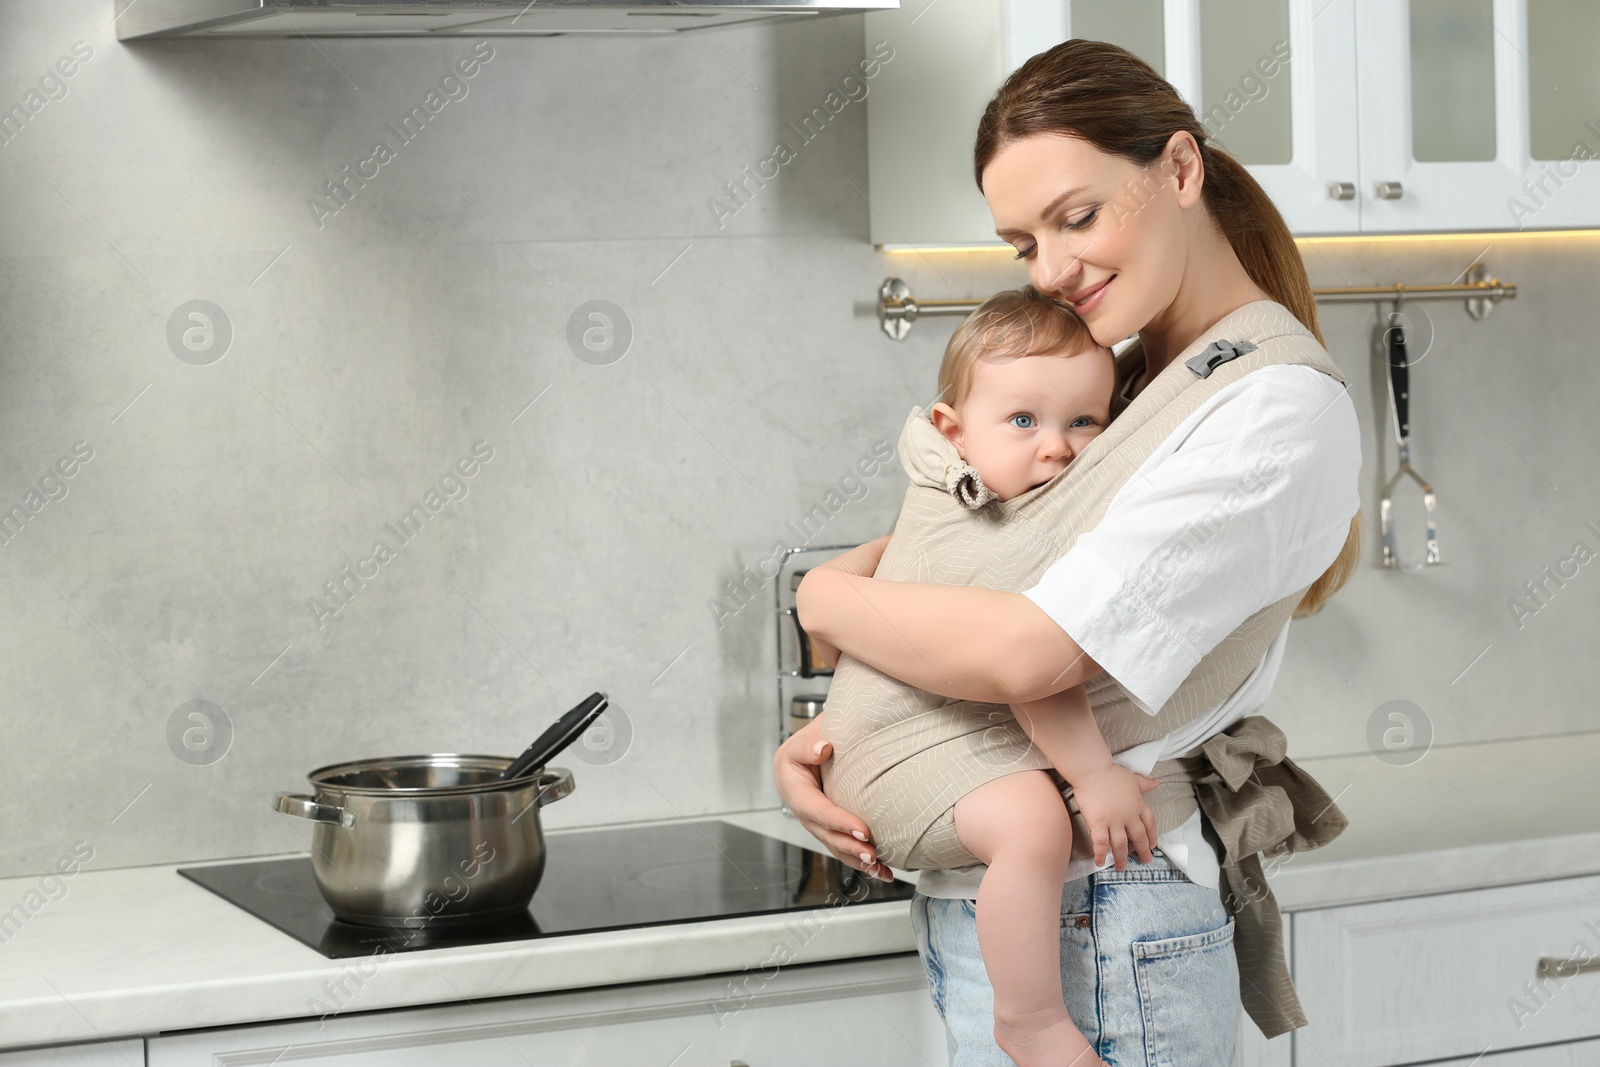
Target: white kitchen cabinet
(1484,118)
(922,112)
(1575,1054)
(1436,977)
(1441,112)
(1254,1050)
(1292,124)
(869,1011)
(1479,114)
(94,1054)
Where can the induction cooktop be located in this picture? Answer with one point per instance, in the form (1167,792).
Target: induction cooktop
(606,879)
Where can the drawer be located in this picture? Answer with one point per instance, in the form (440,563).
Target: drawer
(874,1010)
(99,1054)
(1450,975)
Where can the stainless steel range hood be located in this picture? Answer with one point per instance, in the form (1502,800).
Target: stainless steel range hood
(441,18)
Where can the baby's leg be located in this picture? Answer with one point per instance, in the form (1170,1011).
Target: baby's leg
(1019,826)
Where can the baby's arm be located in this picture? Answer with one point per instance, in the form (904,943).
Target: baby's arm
(1110,796)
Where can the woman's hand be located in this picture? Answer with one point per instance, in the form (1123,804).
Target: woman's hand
(799,781)
(861,561)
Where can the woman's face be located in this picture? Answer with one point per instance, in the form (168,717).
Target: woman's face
(1096,230)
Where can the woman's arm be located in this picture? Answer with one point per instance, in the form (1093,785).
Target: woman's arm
(861,560)
(957,641)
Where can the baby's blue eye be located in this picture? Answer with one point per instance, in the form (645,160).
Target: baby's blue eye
(1022,422)
(1083,420)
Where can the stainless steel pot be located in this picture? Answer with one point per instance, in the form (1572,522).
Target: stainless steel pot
(426,840)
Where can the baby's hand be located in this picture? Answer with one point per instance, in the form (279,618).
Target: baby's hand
(1112,803)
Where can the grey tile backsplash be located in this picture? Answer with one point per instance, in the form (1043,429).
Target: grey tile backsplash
(391,486)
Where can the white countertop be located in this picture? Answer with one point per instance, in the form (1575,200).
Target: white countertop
(141,950)
(1462,816)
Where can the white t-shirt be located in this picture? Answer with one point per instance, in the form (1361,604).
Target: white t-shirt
(1279,451)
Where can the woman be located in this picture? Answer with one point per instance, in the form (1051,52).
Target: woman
(1099,174)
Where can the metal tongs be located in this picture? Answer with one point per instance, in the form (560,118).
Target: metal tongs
(1400,406)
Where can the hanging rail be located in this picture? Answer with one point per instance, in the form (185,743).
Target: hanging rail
(898,309)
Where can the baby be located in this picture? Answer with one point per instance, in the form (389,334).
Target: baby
(1025,387)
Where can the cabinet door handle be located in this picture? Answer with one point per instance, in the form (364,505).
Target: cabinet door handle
(1389,190)
(1341,190)
(1556,967)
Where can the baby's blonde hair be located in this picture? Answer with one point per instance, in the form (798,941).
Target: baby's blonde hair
(1012,323)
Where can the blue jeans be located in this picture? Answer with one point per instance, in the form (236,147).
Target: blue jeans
(1147,970)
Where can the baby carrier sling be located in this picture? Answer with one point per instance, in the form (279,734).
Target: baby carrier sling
(903,757)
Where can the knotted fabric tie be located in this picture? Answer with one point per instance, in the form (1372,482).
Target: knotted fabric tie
(1259,800)
(966,485)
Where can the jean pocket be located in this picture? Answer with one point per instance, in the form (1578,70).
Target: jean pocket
(1189,998)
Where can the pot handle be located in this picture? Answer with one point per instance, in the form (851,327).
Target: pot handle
(554,784)
(303,807)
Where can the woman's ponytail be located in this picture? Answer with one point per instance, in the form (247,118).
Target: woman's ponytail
(1259,236)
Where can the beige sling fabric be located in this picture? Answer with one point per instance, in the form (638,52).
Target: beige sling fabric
(903,757)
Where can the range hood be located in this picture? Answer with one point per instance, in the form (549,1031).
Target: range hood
(138,19)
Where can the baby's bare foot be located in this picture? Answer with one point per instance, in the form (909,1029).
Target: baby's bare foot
(1052,1041)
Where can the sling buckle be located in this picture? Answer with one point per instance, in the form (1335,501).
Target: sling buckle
(1215,355)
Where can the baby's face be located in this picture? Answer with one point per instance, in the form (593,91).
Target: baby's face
(1025,419)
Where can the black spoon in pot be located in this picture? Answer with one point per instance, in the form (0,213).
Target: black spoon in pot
(566,730)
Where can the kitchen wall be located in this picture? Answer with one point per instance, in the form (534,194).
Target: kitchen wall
(357,355)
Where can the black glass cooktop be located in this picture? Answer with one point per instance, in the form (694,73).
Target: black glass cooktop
(593,880)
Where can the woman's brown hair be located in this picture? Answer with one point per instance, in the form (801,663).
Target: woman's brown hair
(1110,98)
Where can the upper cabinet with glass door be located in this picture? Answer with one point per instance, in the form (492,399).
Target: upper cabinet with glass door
(1479,114)
(1377,116)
